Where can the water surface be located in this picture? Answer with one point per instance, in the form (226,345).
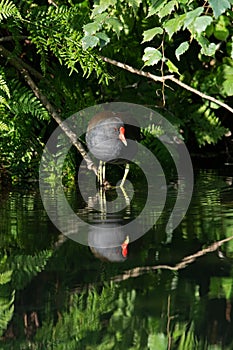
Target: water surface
(58,294)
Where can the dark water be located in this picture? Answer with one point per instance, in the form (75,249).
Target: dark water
(58,294)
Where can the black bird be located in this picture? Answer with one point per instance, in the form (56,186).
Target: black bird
(111,138)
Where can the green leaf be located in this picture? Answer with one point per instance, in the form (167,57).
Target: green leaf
(91,28)
(5,277)
(115,24)
(201,23)
(104,39)
(151,56)
(157,341)
(156,6)
(89,41)
(167,9)
(172,68)
(173,25)
(219,6)
(182,49)
(228,82)
(191,16)
(149,34)
(104,5)
(134,4)
(207,48)
(231,48)
(221,31)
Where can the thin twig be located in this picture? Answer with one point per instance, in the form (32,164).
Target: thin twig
(164,78)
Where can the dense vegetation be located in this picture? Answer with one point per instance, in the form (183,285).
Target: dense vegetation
(56,58)
(56,52)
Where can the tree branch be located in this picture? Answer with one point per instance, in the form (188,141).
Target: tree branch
(11,38)
(17,63)
(7,54)
(163,79)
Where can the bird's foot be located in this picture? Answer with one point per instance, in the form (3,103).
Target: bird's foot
(106,185)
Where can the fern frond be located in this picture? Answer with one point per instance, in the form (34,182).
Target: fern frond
(6,310)
(3,86)
(3,126)
(25,102)
(8,9)
(58,30)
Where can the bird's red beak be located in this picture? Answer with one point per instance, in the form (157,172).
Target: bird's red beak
(124,247)
(122,135)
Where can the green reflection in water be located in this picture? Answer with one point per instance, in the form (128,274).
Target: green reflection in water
(55,294)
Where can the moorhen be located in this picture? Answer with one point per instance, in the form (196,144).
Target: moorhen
(111,138)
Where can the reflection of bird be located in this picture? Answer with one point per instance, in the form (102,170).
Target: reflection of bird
(106,140)
(108,241)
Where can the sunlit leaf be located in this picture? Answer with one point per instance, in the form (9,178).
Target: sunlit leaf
(201,23)
(156,6)
(89,41)
(183,47)
(172,68)
(207,48)
(150,33)
(103,6)
(167,9)
(115,24)
(151,56)
(191,16)
(219,6)
(91,28)
(174,25)
(228,80)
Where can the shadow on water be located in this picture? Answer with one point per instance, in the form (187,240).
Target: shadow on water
(58,294)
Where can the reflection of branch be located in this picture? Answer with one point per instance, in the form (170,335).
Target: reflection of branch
(137,271)
(166,77)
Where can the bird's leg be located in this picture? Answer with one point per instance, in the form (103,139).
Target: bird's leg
(103,171)
(125,175)
(100,173)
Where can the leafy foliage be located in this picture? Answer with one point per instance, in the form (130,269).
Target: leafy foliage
(8,9)
(61,44)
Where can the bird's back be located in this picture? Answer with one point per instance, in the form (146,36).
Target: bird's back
(102,136)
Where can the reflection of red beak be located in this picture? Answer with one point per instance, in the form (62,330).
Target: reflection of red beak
(124,247)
